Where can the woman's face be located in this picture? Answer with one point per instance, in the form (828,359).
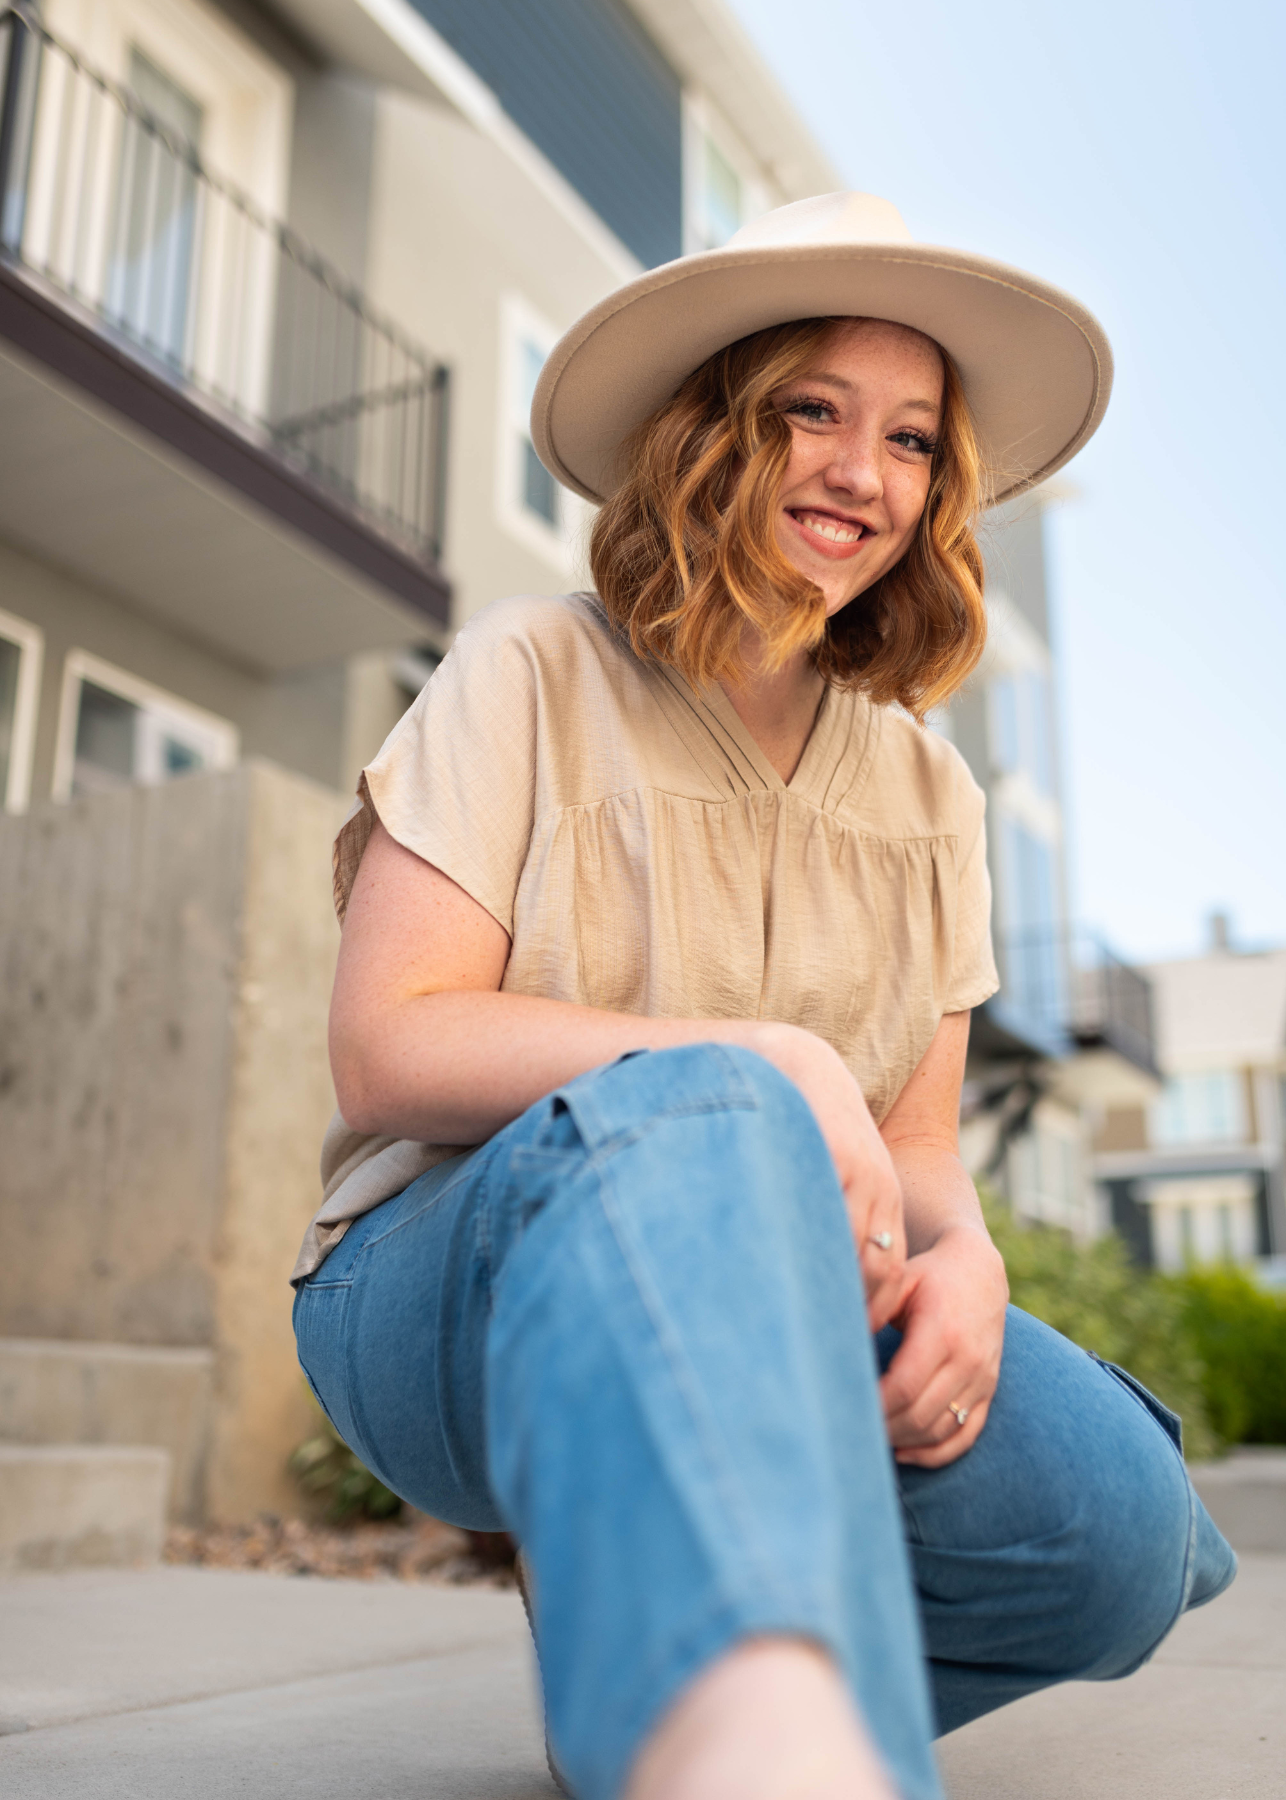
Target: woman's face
(864,418)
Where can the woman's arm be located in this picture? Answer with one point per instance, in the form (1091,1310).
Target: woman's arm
(952,1312)
(423,1045)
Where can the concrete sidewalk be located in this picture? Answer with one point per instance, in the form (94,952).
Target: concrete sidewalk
(194,1684)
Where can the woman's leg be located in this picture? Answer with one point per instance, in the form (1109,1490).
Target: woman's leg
(1065,1544)
(647,1290)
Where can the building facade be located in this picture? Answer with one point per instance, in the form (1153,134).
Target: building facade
(276,281)
(1070,1036)
(275,285)
(1197,1177)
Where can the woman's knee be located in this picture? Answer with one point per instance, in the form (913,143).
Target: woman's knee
(1128,1544)
(696,1122)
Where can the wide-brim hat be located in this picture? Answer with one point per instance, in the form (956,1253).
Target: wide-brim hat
(1036,365)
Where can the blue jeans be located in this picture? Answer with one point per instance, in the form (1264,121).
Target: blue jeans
(630,1330)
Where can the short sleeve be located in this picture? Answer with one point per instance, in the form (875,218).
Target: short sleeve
(973,967)
(455,780)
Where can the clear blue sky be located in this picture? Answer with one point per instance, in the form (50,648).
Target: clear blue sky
(1134,153)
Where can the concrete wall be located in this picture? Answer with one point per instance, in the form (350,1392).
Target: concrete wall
(168,955)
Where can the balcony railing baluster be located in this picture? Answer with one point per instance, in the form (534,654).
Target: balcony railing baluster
(112,208)
(1071,987)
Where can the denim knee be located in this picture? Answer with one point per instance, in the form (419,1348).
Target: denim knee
(642,1092)
(1133,1546)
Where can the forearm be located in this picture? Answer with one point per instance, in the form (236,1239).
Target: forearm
(454,1068)
(937,1194)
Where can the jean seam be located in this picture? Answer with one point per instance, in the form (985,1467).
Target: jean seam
(724,1484)
(428,1205)
(628,1135)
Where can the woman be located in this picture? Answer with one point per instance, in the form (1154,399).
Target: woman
(665,898)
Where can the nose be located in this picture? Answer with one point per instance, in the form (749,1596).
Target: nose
(855,467)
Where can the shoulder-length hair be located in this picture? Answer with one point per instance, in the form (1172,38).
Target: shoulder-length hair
(685,552)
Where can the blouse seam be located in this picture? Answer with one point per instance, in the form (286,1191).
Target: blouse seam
(913,837)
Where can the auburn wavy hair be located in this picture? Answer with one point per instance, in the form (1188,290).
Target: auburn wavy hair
(685,552)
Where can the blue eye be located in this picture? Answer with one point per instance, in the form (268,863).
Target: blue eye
(914,440)
(817,412)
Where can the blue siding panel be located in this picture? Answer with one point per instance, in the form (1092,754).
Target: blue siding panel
(592,91)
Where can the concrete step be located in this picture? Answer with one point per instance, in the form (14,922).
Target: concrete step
(1245,1495)
(77,1505)
(57,1392)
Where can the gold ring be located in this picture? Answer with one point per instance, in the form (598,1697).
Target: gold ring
(961,1412)
(883,1240)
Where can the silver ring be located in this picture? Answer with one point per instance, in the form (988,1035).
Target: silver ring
(961,1412)
(883,1240)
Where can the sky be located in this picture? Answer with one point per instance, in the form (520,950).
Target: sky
(1135,154)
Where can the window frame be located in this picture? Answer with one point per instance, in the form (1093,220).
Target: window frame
(522,324)
(30,643)
(703,121)
(81,666)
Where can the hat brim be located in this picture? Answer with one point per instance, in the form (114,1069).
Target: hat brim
(1036,365)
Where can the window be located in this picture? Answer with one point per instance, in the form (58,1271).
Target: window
(1021,738)
(149,275)
(1044,1171)
(721,189)
(114,214)
(533,508)
(116,730)
(1200,1220)
(21,649)
(1031,945)
(1206,1108)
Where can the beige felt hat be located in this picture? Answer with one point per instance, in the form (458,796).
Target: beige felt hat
(1037,367)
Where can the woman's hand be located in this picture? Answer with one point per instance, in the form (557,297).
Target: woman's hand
(952,1317)
(871,1188)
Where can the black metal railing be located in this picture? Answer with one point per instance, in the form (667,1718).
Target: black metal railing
(108,203)
(1071,986)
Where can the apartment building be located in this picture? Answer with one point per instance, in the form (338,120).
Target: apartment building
(276,281)
(1197,1177)
(1069,1040)
(275,284)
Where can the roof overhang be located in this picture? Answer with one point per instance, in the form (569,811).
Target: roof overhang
(129,482)
(708,46)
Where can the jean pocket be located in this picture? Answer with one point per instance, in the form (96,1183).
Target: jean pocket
(320,1318)
(1170,1422)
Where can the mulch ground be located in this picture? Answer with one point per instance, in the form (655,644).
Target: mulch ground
(413,1548)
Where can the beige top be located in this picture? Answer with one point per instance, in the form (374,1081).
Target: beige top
(644,856)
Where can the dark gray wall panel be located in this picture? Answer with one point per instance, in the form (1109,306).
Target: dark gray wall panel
(592,91)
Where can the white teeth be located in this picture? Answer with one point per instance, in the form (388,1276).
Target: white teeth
(828,529)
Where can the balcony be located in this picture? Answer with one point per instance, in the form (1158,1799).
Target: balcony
(203,416)
(1065,995)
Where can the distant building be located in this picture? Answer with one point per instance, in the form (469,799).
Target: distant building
(1197,1177)
(1070,1034)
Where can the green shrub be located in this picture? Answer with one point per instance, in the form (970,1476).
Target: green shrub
(326,1469)
(1096,1296)
(1239,1332)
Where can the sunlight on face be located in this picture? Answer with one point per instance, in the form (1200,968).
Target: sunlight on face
(864,419)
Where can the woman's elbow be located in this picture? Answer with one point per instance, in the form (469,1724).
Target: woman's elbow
(357,1080)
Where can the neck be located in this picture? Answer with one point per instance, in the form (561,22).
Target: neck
(778,707)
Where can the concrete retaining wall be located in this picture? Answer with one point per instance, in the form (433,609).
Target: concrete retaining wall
(166,956)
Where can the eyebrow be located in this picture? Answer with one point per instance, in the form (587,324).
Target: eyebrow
(927,406)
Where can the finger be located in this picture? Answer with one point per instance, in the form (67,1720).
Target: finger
(937,1456)
(924,1350)
(881,1248)
(928,1419)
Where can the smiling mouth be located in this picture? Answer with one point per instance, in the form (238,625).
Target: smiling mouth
(844,534)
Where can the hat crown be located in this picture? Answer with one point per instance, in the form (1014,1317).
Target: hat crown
(825,219)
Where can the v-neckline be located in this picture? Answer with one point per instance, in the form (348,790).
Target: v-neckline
(732,722)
